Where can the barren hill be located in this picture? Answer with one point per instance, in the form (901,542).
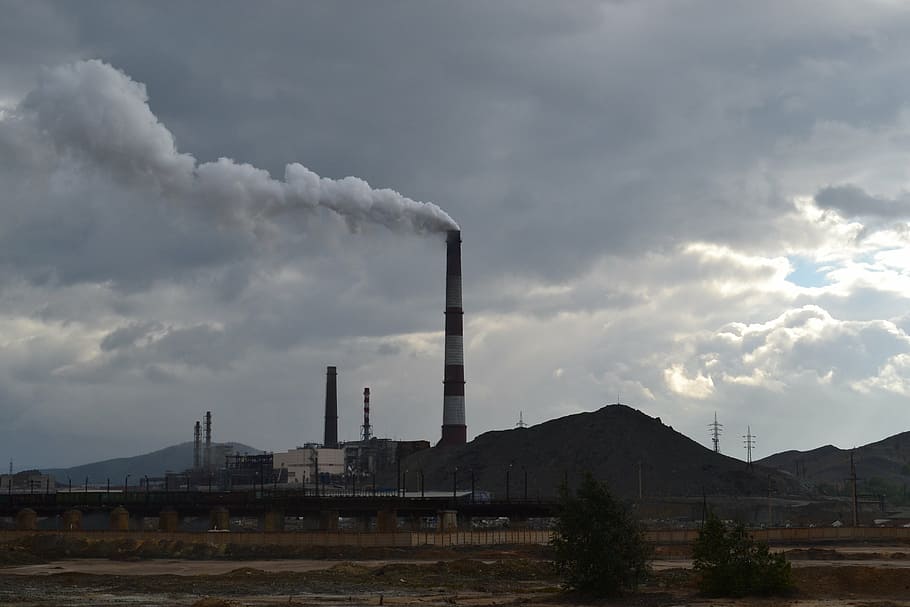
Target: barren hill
(611,443)
(881,466)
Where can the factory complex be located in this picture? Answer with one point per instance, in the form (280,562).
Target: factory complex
(332,464)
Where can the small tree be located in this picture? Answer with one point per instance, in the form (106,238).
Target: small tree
(599,548)
(732,563)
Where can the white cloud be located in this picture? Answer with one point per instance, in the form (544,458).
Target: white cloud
(698,387)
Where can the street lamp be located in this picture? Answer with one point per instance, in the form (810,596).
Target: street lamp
(455,483)
(508,474)
(126,481)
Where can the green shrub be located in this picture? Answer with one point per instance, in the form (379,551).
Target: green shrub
(599,548)
(731,563)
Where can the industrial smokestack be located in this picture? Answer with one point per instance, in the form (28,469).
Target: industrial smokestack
(331,409)
(366,432)
(454,430)
(207,454)
(197,445)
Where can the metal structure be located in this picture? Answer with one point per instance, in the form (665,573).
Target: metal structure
(253,470)
(749,444)
(197,445)
(716,430)
(454,429)
(330,438)
(366,430)
(207,454)
(521,421)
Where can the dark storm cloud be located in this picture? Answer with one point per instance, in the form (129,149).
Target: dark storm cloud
(852,201)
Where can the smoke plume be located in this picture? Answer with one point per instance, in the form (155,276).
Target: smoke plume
(93,114)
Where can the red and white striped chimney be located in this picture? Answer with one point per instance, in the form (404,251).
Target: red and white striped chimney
(454,430)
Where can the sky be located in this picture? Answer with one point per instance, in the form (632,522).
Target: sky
(688,207)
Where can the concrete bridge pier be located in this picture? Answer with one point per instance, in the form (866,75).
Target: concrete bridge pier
(72,520)
(26,520)
(447,520)
(120,519)
(328,520)
(387,520)
(220,518)
(273,520)
(168,520)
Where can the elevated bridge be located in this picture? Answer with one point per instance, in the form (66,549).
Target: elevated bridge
(274,505)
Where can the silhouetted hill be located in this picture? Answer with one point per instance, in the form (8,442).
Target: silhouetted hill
(886,461)
(175,458)
(610,443)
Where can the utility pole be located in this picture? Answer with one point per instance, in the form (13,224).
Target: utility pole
(749,443)
(853,483)
(716,430)
(769,501)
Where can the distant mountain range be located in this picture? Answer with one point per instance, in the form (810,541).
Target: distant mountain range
(881,467)
(175,458)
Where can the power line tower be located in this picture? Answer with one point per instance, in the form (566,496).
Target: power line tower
(521,422)
(749,443)
(716,430)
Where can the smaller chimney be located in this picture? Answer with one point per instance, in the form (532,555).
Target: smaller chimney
(207,454)
(331,409)
(366,431)
(197,445)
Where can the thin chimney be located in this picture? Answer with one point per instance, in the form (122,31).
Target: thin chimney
(197,445)
(331,409)
(366,432)
(207,453)
(454,430)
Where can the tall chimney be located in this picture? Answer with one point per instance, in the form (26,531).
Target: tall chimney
(331,409)
(207,453)
(366,432)
(197,445)
(454,430)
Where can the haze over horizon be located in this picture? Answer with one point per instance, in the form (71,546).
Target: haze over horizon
(696,206)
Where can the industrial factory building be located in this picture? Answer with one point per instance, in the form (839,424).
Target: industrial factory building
(27,481)
(304,463)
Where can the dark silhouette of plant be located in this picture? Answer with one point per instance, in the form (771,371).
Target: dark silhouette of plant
(732,563)
(599,548)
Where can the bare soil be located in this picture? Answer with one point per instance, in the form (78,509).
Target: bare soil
(423,578)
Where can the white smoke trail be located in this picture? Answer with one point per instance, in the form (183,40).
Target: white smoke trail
(92,112)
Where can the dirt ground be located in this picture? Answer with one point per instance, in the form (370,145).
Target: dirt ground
(844,576)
